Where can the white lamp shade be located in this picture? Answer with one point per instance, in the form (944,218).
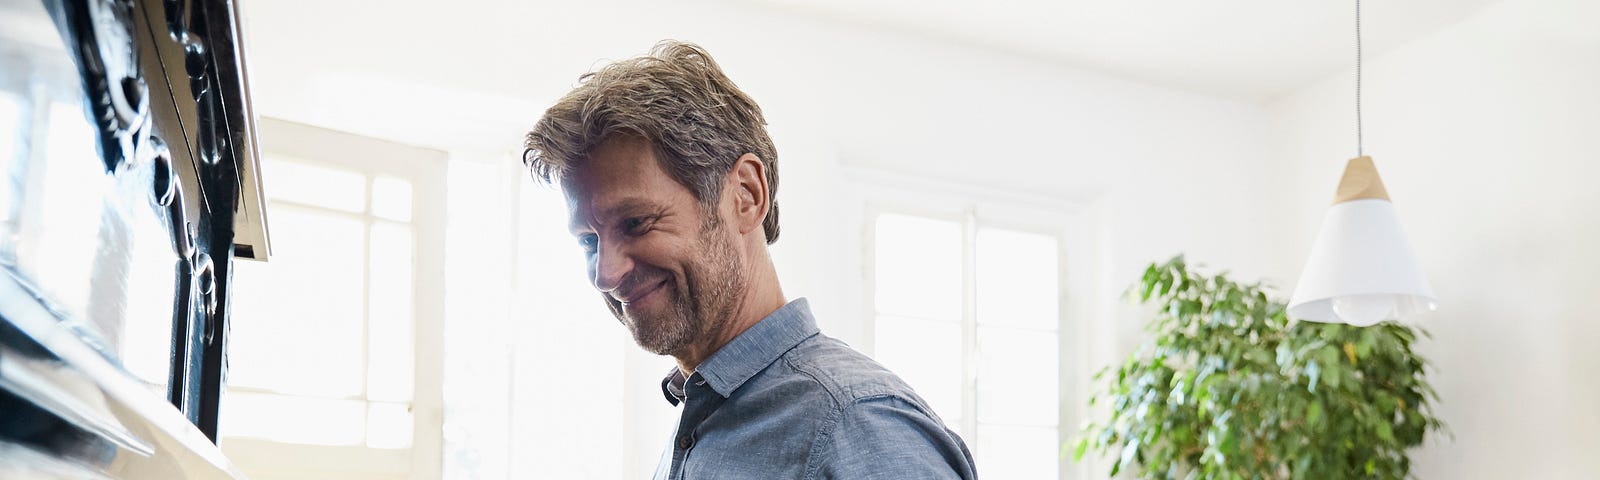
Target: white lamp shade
(1361,270)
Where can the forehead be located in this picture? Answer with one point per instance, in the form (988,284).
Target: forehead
(620,174)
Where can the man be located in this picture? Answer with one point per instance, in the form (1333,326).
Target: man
(670,178)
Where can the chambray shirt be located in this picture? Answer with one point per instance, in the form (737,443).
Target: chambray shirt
(784,401)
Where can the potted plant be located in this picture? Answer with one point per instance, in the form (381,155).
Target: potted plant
(1229,387)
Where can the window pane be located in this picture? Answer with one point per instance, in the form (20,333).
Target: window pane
(1017,452)
(927,355)
(1018,377)
(1017,279)
(389,325)
(297,320)
(388,425)
(918,270)
(391,198)
(298,181)
(291,419)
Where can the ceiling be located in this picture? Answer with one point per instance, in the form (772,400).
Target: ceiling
(473,72)
(1245,49)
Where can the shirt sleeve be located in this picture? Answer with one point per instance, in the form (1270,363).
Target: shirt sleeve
(887,437)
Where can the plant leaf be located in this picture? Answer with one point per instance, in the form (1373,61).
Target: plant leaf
(1385,432)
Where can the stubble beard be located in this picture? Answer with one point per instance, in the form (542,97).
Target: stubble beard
(700,305)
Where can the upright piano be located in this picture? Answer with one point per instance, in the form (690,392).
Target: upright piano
(128,189)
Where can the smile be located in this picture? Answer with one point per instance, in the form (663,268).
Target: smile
(637,296)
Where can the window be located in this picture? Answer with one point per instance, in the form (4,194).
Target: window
(333,367)
(968,313)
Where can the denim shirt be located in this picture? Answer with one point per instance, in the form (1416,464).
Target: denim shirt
(784,401)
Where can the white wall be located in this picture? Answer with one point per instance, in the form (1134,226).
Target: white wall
(1487,135)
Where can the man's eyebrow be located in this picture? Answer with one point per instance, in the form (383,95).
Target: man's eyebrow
(626,206)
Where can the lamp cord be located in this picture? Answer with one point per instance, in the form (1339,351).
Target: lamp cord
(1360,146)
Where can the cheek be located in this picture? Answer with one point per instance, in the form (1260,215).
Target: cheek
(664,253)
(677,260)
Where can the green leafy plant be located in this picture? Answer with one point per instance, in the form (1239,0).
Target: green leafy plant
(1230,388)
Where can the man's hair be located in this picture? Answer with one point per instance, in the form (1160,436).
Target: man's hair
(676,98)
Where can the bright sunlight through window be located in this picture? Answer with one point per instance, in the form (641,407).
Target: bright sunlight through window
(322,336)
(334,352)
(969,316)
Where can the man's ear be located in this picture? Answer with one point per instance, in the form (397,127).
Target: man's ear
(747,189)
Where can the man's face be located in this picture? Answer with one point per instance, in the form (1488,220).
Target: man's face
(664,266)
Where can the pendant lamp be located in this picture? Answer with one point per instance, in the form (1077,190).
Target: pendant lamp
(1362,270)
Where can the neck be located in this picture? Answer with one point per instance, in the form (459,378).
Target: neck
(763,297)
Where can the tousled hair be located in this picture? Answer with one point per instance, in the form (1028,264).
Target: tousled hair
(676,98)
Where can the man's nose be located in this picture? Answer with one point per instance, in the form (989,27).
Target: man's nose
(608,267)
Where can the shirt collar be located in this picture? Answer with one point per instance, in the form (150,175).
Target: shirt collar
(673,385)
(750,352)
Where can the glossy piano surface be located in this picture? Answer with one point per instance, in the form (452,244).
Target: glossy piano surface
(90,245)
(127,163)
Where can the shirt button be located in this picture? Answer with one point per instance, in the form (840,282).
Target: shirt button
(684,441)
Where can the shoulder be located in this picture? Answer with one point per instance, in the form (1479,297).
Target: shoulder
(874,424)
(888,435)
(848,376)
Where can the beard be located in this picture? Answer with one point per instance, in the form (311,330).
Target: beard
(698,305)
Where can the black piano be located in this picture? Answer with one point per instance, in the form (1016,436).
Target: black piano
(128,189)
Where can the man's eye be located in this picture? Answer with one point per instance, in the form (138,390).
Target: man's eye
(636,225)
(590,242)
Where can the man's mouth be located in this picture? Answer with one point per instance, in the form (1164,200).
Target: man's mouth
(641,294)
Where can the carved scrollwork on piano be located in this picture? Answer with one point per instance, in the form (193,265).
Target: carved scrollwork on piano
(118,95)
(123,187)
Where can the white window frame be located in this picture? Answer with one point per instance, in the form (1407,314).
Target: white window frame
(973,206)
(425,170)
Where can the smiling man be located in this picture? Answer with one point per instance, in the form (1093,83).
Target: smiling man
(670,179)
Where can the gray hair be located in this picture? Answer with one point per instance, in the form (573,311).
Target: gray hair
(676,98)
